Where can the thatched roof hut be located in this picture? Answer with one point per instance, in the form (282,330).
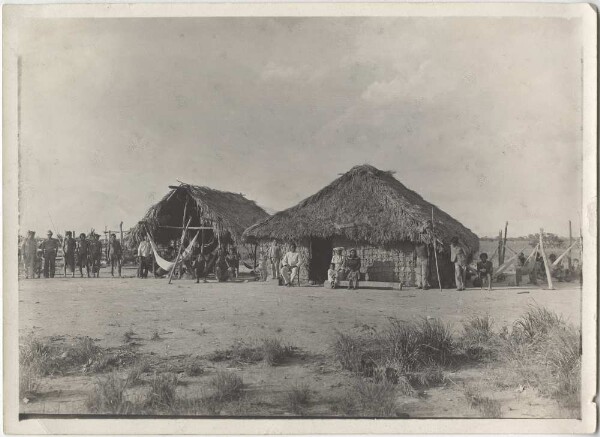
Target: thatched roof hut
(222,213)
(364,205)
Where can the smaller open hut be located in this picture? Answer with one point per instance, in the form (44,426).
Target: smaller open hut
(219,217)
(370,210)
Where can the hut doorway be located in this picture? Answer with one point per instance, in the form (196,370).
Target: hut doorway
(320,257)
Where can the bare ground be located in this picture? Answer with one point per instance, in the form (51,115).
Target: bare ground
(193,320)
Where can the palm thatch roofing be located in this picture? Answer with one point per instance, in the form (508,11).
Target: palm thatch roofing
(364,205)
(227,213)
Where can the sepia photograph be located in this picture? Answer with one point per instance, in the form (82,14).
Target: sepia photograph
(301,216)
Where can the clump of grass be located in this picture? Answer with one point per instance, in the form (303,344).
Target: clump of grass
(270,350)
(274,352)
(43,358)
(489,408)
(162,392)
(227,386)
(537,322)
(128,336)
(478,341)
(194,369)
(108,396)
(376,399)
(38,357)
(155,336)
(135,373)
(29,382)
(298,398)
(544,352)
(402,349)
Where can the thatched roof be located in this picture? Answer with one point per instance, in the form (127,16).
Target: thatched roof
(225,211)
(363,205)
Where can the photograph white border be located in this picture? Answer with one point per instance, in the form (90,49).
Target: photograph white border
(15,15)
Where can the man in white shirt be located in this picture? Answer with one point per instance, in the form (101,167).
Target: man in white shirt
(289,265)
(144,256)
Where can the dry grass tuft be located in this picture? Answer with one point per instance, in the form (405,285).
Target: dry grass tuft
(108,396)
(298,398)
(227,386)
(271,350)
(489,408)
(162,392)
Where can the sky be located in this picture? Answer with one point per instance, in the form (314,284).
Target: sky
(481,116)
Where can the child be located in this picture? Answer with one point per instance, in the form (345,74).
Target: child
(332,275)
(484,270)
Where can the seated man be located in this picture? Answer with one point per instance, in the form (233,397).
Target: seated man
(289,265)
(352,265)
(484,271)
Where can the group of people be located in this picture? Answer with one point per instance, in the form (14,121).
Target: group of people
(343,267)
(223,261)
(84,253)
(284,267)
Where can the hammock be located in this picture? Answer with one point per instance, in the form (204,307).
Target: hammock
(168,265)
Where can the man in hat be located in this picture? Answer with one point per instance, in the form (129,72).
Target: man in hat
(49,250)
(29,254)
(69,252)
(83,250)
(95,254)
(113,254)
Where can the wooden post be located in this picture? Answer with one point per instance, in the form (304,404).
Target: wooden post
(255,248)
(121,233)
(500,257)
(546,262)
(504,242)
(179,251)
(437,269)
(570,263)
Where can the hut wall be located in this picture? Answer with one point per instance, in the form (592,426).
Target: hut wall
(396,263)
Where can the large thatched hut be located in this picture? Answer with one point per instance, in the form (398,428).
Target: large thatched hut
(370,210)
(220,216)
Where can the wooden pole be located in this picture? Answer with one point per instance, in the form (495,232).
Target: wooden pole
(179,251)
(504,242)
(546,262)
(437,269)
(500,257)
(121,233)
(570,262)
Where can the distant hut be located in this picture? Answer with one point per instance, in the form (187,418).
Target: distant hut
(370,210)
(219,216)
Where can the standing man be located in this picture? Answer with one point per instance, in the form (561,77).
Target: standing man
(83,251)
(49,250)
(422,250)
(290,264)
(29,254)
(96,254)
(459,257)
(113,254)
(69,253)
(338,261)
(144,256)
(275,257)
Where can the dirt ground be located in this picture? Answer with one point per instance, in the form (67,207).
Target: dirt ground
(193,320)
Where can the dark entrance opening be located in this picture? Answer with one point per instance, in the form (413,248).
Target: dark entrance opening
(320,256)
